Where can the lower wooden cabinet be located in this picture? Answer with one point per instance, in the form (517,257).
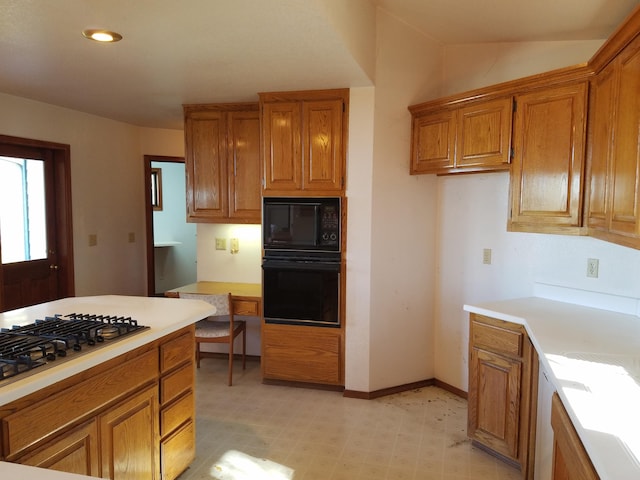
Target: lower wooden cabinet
(502,375)
(73,452)
(129,438)
(302,354)
(132,417)
(570,459)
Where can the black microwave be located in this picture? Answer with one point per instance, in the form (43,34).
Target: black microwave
(301,224)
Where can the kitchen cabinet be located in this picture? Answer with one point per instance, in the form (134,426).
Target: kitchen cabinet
(473,136)
(549,137)
(129,417)
(614,150)
(222,159)
(570,459)
(502,374)
(304,142)
(302,354)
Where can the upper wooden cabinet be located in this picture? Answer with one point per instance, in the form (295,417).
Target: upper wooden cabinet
(614,150)
(222,145)
(548,163)
(303,142)
(471,137)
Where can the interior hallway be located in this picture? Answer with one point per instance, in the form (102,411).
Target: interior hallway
(308,434)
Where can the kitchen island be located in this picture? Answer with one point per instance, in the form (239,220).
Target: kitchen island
(125,408)
(592,357)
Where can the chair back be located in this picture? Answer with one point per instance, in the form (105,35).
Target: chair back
(221,301)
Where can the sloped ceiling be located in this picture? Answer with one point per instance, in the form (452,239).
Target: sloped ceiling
(204,51)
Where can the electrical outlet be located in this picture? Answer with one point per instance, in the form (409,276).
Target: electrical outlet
(234,245)
(221,243)
(592,267)
(132,237)
(93,239)
(486,256)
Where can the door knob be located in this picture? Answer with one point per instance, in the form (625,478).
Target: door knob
(53,267)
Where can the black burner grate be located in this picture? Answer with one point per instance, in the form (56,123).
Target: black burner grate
(26,347)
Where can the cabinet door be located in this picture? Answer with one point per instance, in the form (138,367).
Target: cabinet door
(484,134)
(433,142)
(547,169)
(206,165)
(570,459)
(302,354)
(601,120)
(494,401)
(72,452)
(322,143)
(625,189)
(129,438)
(282,150)
(244,167)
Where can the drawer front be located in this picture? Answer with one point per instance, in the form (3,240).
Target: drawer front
(176,383)
(178,451)
(43,419)
(245,307)
(176,414)
(177,350)
(496,339)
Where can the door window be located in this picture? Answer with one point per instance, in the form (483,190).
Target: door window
(23,228)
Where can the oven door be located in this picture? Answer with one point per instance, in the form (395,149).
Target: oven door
(301,292)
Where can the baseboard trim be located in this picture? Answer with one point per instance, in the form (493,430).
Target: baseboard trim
(404,388)
(297,384)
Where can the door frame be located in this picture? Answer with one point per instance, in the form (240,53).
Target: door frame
(148,213)
(61,159)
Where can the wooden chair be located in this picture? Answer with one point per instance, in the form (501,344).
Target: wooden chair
(219,328)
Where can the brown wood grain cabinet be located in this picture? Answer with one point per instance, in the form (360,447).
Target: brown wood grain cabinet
(570,459)
(501,407)
(302,354)
(471,136)
(304,142)
(614,150)
(130,417)
(548,164)
(222,160)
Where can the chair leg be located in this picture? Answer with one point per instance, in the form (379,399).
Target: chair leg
(230,360)
(244,348)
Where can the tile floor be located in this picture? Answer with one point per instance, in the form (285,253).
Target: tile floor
(252,431)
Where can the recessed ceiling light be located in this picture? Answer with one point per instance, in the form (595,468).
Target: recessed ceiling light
(103,36)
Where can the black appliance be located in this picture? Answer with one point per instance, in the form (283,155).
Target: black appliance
(302,290)
(301,224)
(23,348)
(302,264)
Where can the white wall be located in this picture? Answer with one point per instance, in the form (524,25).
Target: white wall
(107,184)
(174,265)
(402,266)
(473,215)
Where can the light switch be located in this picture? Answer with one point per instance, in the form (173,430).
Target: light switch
(93,239)
(486,256)
(221,243)
(132,237)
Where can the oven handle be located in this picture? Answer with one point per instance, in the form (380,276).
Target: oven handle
(301,265)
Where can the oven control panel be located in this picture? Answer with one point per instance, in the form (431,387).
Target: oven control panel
(329,225)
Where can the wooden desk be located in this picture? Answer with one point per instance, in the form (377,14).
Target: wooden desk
(246,297)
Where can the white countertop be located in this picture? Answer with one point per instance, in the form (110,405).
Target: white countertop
(593,357)
(15,471)
(162,315)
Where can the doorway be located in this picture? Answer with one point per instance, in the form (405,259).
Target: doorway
(36,234)
(171,241)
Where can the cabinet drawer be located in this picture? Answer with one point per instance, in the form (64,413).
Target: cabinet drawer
(497,339)
(176,414)
(178,451)
(177,351)
(245,307)
(178,382)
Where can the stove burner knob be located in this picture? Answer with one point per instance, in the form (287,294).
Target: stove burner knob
(91,342)
(77,347)
(61,353)
(51,357)
(99,339)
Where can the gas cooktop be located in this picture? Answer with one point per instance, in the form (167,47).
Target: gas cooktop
(24,348)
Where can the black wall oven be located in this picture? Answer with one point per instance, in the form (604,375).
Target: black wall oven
(302,263)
